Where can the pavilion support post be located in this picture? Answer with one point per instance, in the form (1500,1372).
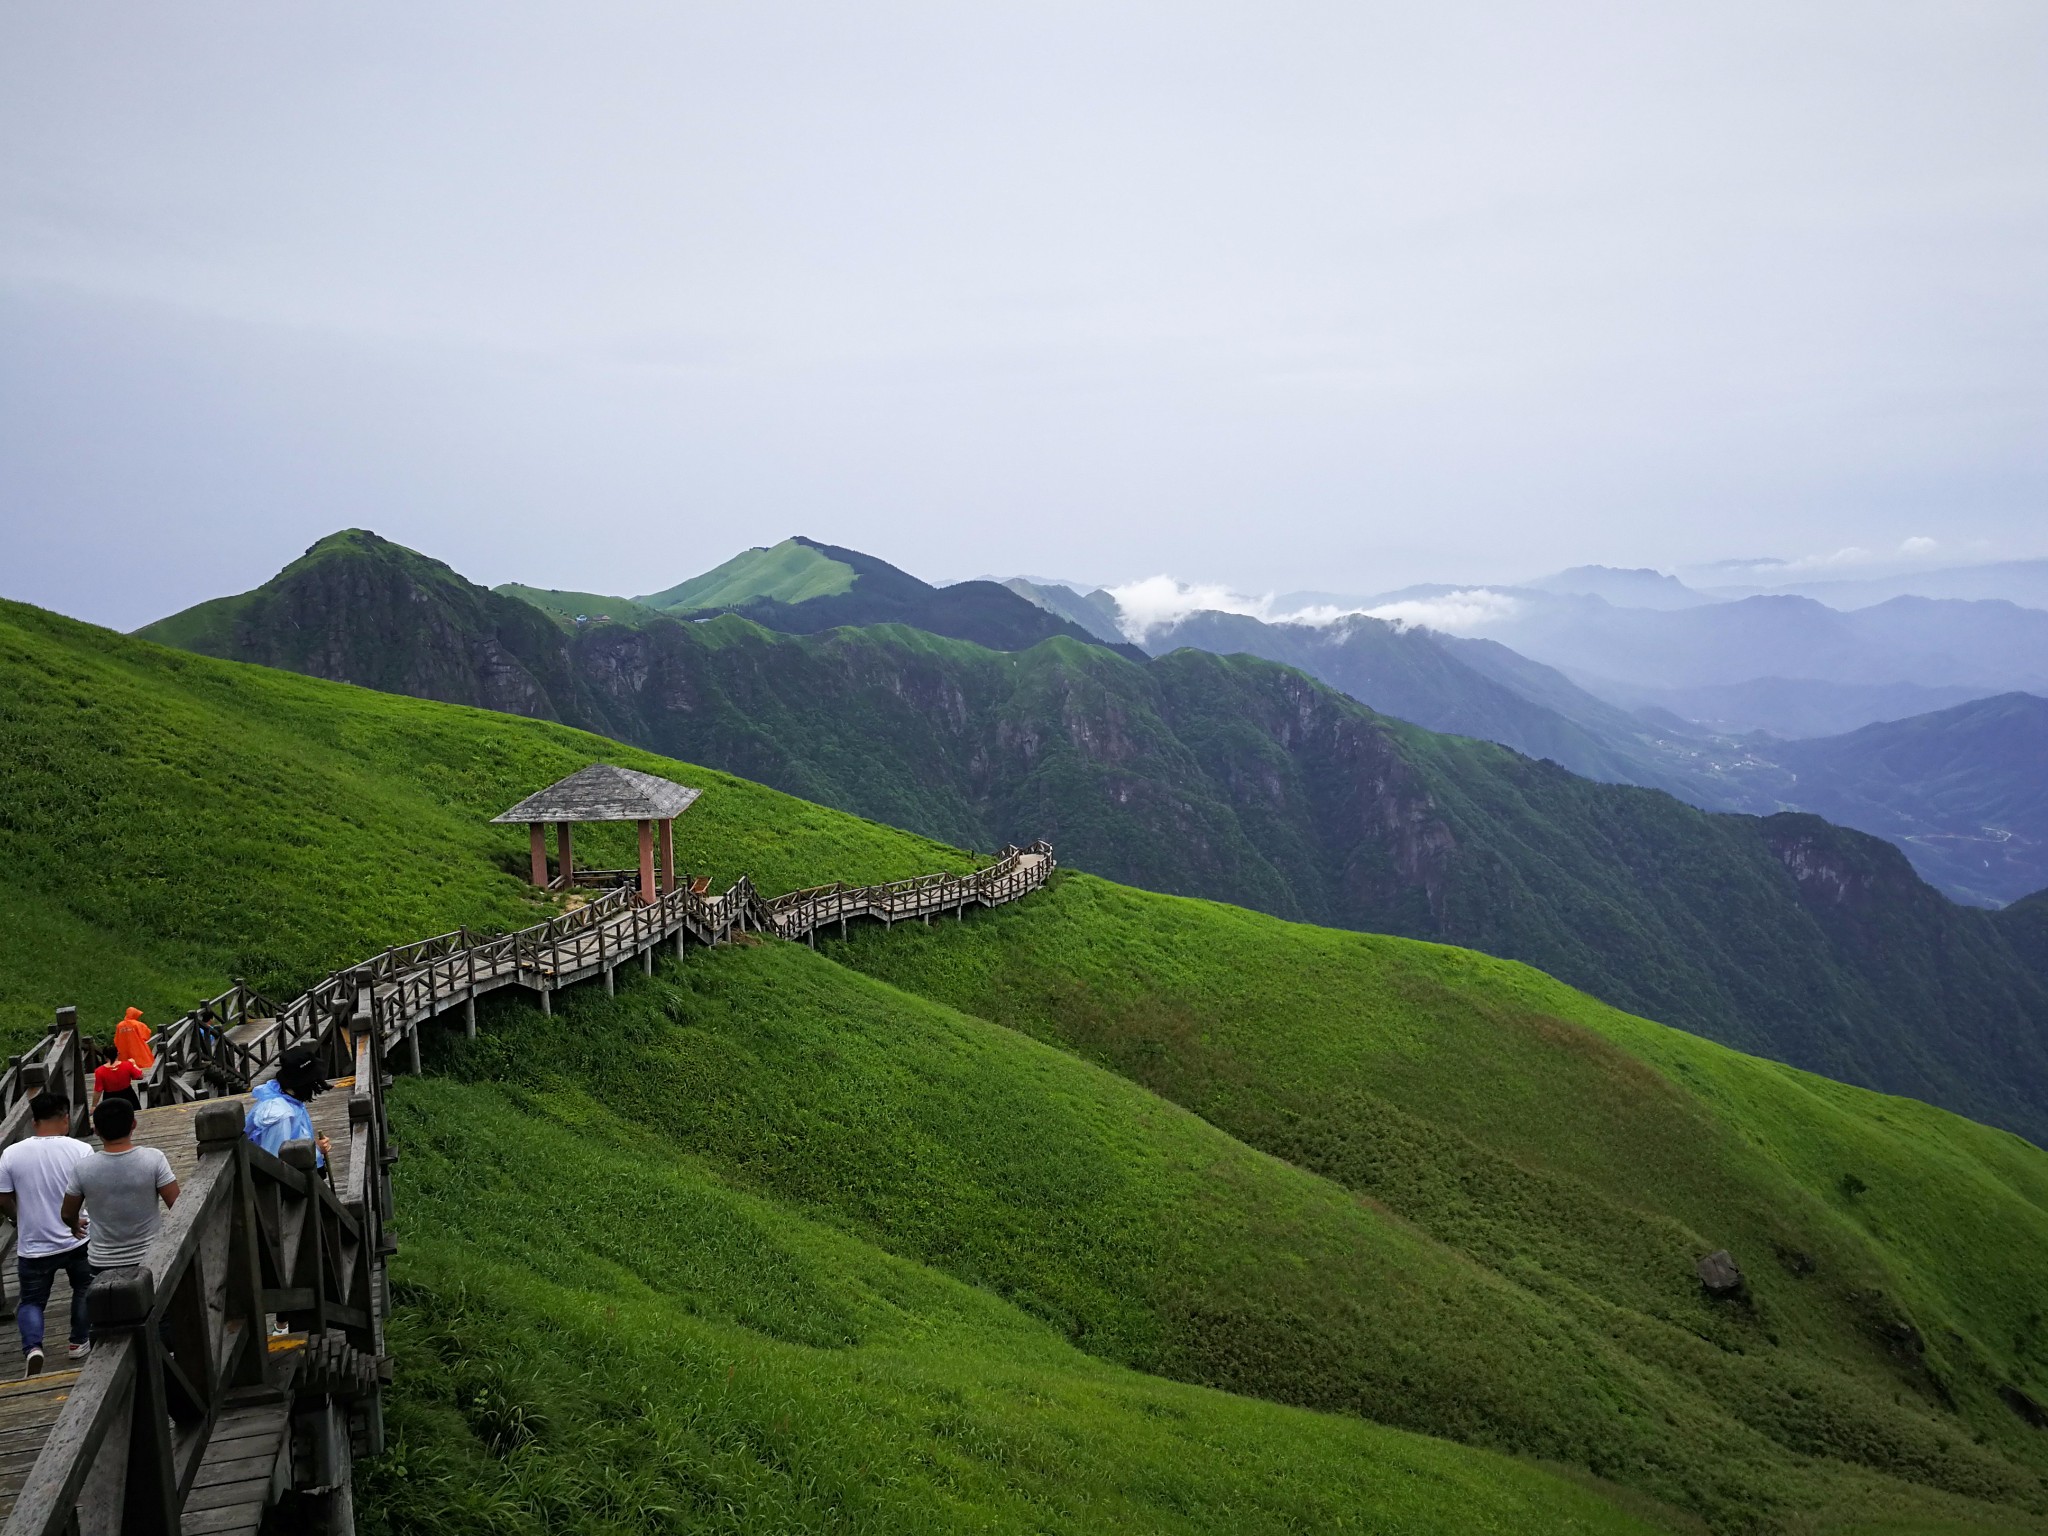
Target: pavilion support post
(647,862)
(611,984)
(469,1015)
(537,848)
(565,845)
(668,854)
(547,1003)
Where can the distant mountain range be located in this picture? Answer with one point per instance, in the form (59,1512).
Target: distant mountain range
(1982,837)
(1791,708)
(1622,588)
(1934,642)
(2014,581)
(1239,779)
(1641,640)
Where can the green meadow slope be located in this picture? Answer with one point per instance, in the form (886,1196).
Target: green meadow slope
(601,1331)
(597,1332)
(965,1227)
(794,571)
(568,608)
(168,821)
(1543,1305)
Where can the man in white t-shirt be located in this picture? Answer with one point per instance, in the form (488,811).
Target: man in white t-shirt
(33,1176)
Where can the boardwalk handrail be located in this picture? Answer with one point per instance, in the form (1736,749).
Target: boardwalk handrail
(255,1236)
(182,1337)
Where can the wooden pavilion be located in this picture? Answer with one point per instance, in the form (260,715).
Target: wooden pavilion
(602,792)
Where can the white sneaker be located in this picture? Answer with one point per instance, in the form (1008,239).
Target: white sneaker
(32,1364)
(77,1352)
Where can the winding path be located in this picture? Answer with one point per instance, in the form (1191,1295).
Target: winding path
(242,1364)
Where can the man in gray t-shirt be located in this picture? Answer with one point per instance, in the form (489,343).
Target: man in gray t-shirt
(119,1187)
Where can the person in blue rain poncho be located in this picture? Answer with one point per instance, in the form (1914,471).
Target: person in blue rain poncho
(280,1110)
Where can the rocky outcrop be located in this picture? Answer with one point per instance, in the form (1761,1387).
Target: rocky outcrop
(1719,1273)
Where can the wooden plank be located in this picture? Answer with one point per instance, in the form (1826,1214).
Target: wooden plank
(240,1469)
(261,1419)
(22,1435)
(241,1447)
(229,1520)
(232,1437)
(47,1382)
(20,1460)
(41,1410)
(250,1490)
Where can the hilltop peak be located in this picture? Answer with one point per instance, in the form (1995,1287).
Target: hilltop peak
(805,586)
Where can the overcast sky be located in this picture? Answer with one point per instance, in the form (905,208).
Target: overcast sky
(1276,295)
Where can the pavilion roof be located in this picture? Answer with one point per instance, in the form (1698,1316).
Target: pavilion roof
(602,792)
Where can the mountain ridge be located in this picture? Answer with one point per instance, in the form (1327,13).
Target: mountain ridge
(804,587)
(1240,780)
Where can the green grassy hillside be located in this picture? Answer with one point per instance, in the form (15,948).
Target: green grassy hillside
(780,1240)
(793,571)
(652,1347)
(567,608)
(168,821)
(1566,1146)
(983,612)
(172,820)
(1530,1294)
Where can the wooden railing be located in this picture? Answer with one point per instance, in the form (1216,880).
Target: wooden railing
(55,1061)
(254,1236)
(184,1338)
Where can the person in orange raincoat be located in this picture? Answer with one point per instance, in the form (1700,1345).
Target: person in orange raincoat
(131,1041)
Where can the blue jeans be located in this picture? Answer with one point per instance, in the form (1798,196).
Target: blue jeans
(37,1276)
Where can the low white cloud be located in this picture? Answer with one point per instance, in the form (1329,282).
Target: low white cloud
(1161,600)
(1144,606)
(1852,556)
(1455,613)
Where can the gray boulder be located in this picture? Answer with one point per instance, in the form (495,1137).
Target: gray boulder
(1719,1273)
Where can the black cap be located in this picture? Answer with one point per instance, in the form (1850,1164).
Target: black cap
(298,1067)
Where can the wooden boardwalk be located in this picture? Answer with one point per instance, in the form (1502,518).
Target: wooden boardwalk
(241,1364)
